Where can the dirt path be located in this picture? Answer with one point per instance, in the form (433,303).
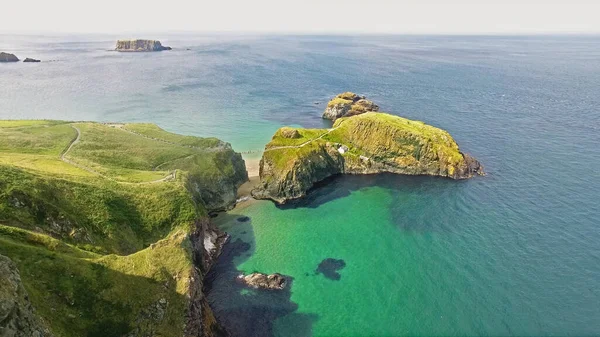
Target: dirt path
(171,176)
(303,144)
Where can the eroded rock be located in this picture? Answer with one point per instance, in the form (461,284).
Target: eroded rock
(263,281)
(348,104)
(17,316)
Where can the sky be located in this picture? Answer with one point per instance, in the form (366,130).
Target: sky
(302,16)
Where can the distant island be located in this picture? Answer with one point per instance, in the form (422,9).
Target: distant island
(140,46)
(6,57)
(361,142)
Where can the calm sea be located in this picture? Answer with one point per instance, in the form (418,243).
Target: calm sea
(514,253)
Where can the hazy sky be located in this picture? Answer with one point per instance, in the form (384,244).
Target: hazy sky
(311,16)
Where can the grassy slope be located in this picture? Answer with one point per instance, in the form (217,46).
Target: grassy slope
(69,230)
(379,136)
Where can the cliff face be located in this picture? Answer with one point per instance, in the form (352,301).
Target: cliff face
(207,242)
(219,192)
(348,104)
(17,316)
(365,144)
(140,45)
(6,57)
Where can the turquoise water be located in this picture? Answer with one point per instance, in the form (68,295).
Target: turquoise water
(514,253)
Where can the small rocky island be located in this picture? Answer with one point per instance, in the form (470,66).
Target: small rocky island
(140,46)
(6,57)
(348,104)
(359,143)
(30,60)
(263,281)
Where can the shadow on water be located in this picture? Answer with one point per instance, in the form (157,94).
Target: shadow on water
(341,186)
(244,311)
(416,203)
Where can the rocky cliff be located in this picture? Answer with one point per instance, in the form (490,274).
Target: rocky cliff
(364,144)
(140,46)
(17,316)
(348,104)
(6,57)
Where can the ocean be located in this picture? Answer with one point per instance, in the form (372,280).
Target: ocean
(514,253)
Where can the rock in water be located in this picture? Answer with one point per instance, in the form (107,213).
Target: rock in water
(263,281)
(364,144)
(348,104)
(140,46)
(31,60)
(17,316)
(329,268)
(6,57)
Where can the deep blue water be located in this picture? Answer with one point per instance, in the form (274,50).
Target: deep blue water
(514,253)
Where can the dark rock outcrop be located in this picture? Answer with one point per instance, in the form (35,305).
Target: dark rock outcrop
(348,104)
(263,281)
(17,316)
(207,244)
(140,46)
(329,268)
(31,60)
(6,57)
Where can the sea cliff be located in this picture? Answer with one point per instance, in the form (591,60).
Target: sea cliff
(296,159)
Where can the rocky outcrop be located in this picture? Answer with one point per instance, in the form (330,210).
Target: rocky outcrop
(140,46)
(365,144)
(207,243)
(31,60)
(263,281)
(6,57)
(348,104)
(17,316)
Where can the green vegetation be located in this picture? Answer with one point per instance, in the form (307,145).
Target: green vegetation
(339,101)
(97,219)
(371,142)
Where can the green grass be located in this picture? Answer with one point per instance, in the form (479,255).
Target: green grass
(380,136)
(106,296)
(152,130)
(42,139)
(99,243)
(305,136)
(338,100)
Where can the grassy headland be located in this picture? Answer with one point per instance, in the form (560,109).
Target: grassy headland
(104,222)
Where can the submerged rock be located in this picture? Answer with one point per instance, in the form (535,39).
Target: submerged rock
(348,104)
(329,268)
(6,57)
(263,281)
(31,60)
(140,46)
(365,144)
(17,316)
